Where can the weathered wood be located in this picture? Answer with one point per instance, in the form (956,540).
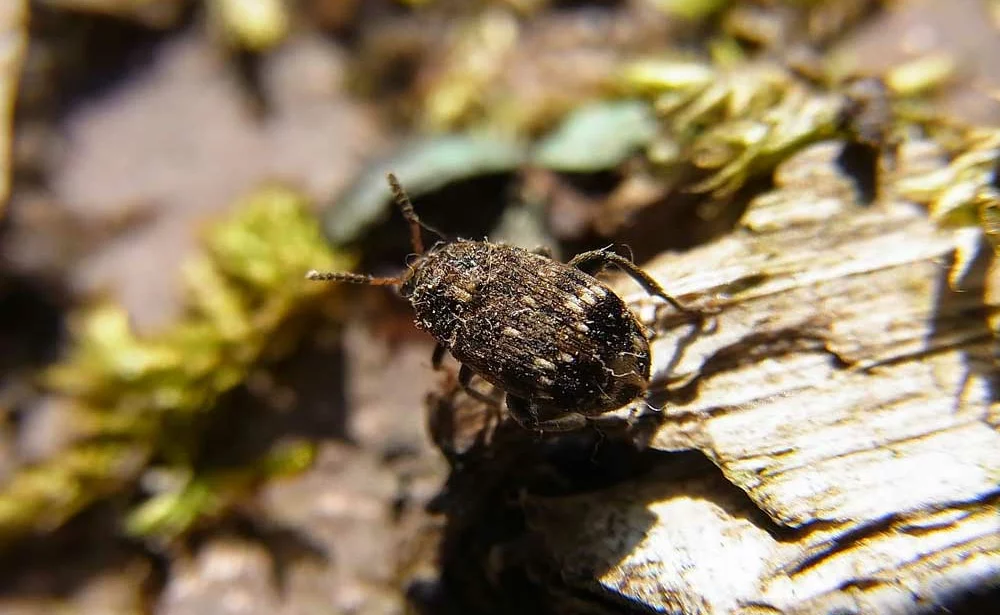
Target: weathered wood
(847,393)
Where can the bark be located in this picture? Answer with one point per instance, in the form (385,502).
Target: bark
(827,441)
(845,394)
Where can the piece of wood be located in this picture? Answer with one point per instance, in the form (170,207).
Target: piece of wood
(845,395)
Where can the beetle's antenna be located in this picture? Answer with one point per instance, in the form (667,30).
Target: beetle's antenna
(350,278)
(399,195)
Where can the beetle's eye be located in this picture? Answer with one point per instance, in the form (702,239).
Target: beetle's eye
(409,285)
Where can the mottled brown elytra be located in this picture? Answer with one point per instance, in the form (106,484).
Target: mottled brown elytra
(561,344)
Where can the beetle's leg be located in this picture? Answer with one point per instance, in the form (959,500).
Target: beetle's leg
(465,381)
(351,278)
(438,356)
(465,375)
(594,261)
(524,412)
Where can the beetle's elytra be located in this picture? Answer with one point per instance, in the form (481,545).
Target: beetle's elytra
(561,344)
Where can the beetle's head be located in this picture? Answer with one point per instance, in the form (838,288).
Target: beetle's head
(409,279)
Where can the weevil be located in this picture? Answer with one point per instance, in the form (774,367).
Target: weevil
(559,343)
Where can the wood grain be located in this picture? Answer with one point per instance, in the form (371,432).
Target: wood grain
(846,399)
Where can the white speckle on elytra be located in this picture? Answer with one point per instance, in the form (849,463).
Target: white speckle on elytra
(460,295)
(544,364)
(574,305)
(587,297)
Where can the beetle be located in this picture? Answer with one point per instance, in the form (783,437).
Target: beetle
(560,343)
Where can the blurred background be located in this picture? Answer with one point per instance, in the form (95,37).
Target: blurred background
(187,426)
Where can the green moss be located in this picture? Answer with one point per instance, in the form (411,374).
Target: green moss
(733,123)
(965,192)
(138,400)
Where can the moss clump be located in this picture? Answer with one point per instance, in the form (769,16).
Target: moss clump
(139,401)
(966,190)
